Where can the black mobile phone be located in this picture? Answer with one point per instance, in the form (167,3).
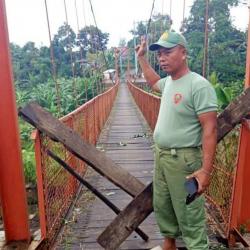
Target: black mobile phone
(191,185)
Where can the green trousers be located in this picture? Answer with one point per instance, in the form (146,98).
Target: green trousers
(173,216)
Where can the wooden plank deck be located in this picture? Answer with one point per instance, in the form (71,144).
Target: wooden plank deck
(127,140)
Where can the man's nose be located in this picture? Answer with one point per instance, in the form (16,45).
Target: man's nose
(162,59)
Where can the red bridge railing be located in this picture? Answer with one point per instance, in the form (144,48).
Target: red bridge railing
(220,194)
(56,188)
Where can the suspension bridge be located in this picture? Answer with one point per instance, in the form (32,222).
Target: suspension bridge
(94,166)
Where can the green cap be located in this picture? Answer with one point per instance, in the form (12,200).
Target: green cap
(169,39)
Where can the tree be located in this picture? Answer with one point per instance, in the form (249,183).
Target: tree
(66,37)
(92,39)
(64,42)
(31,65)
(227,45)
(122,42)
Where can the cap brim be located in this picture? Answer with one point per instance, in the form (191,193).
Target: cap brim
(158,45)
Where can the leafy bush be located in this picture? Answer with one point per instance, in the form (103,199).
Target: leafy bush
(45,95)
(29,165)
(225,94)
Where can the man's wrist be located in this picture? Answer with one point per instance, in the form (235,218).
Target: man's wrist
(207,172)
(141,57)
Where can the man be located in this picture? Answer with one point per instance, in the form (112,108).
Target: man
(186,123)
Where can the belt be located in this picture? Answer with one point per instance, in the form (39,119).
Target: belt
(174,151)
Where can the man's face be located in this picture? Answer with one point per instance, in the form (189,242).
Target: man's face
(171,60)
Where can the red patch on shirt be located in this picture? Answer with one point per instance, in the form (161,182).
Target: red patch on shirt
(177,98)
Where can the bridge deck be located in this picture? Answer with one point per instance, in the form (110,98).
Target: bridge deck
(126,139)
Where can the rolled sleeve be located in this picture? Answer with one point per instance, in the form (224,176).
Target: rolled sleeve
(161,84)
(205,100)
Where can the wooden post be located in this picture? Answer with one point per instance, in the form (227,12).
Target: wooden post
(12,185)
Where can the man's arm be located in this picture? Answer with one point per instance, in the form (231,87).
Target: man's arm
(151,76)
(209,140)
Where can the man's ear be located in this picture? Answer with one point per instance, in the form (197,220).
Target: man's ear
(184,52)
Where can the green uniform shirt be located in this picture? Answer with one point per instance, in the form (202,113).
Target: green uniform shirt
(182,101)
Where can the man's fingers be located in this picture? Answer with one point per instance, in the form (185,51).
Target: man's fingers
(141,48)
(190,176)
(200,187)
(137,47)
(143,39)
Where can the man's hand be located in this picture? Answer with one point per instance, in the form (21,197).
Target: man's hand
(202,178)
(149,73)
(142,48)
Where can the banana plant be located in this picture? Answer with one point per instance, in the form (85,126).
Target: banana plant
(224,95)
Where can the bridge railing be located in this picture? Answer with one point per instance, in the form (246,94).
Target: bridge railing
(221,190)
(148,103)
(56,188)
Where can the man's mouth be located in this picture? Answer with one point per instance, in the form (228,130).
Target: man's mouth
(164,66)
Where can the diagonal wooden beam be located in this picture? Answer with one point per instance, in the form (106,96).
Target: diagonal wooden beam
(134,214)
(233,114)
(56,130)
(137,211)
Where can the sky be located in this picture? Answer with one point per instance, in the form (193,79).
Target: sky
(27,18)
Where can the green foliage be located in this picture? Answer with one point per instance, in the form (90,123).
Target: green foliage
(110,58)
(78,61)
(27,151)
(217,246)
(65,37)
(159,23)
(44,94)
(92,39)
(243,228)
(29,165)
(227,45)
(32,65)
(225,94)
